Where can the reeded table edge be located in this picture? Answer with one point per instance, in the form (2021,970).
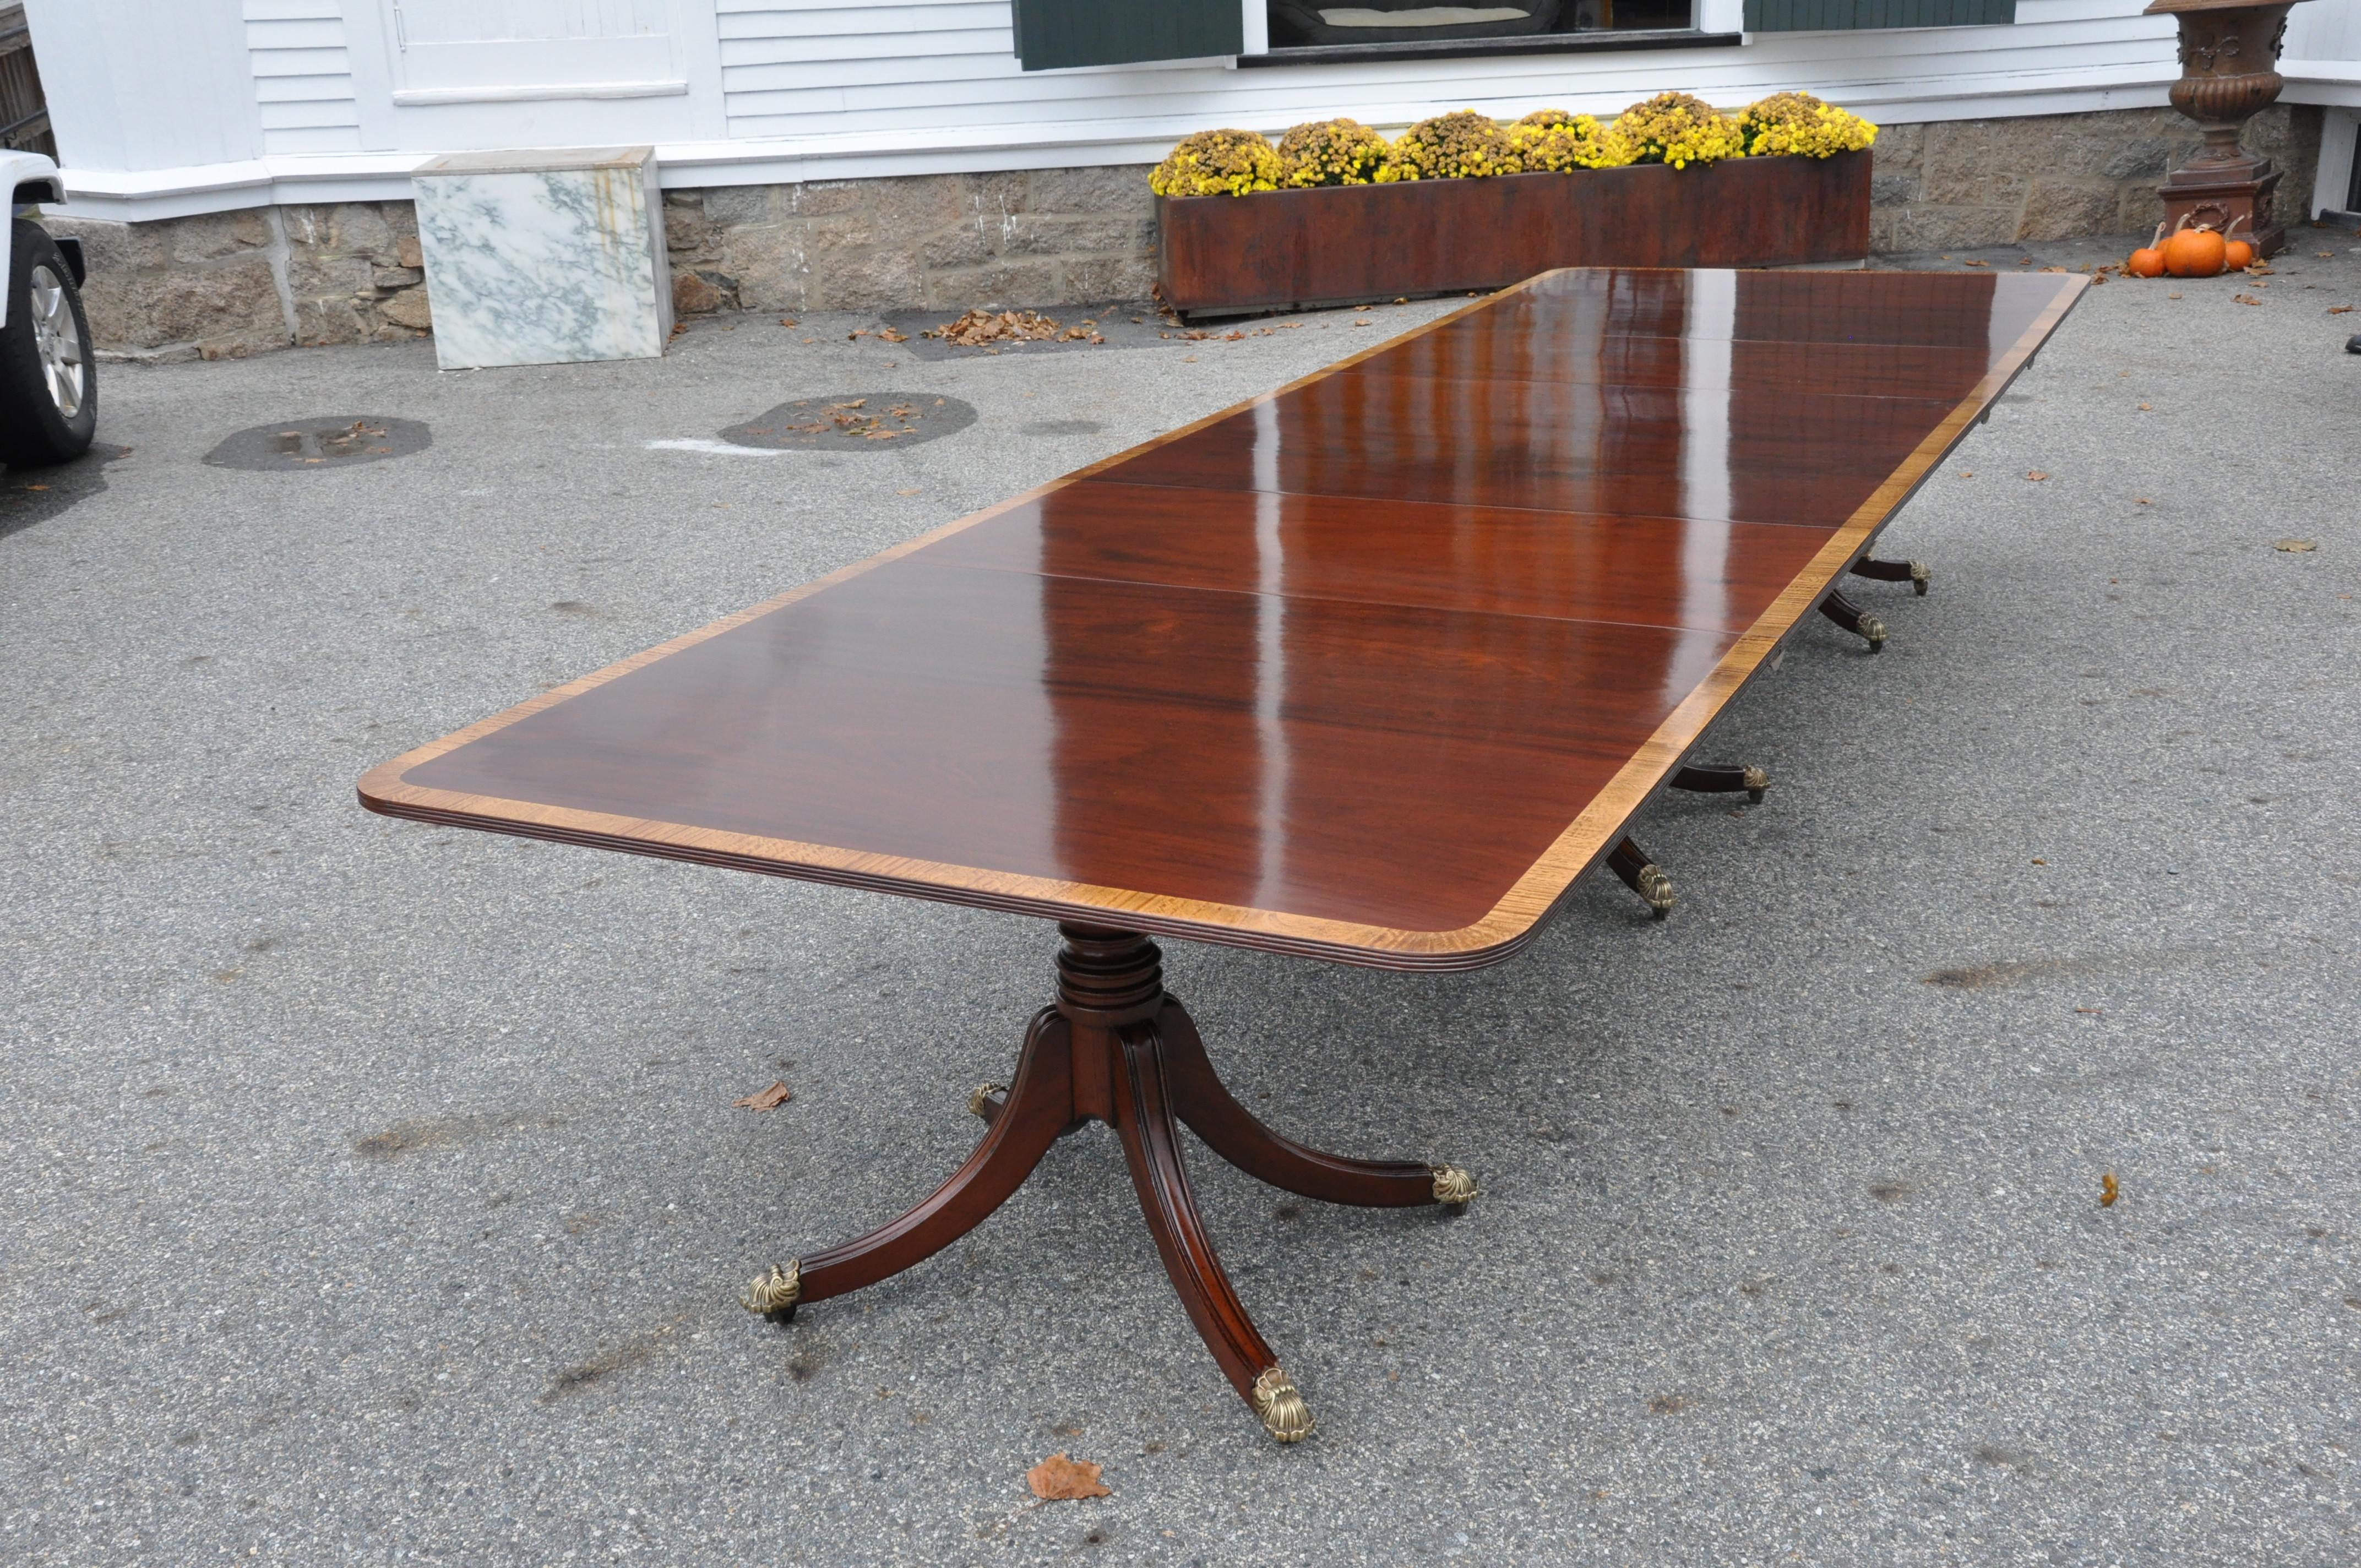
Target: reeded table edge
(1512,923)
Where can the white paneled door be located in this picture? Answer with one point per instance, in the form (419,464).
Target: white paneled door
(474,52)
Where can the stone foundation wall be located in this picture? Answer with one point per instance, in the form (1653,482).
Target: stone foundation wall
(234,283)
(228,284)
(1954,185)
(943,241)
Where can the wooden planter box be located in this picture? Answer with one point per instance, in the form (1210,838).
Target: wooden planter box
(1345,243)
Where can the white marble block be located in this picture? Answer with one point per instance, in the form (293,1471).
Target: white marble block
(544,257)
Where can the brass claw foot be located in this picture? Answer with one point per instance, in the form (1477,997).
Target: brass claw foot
(983,1100)
(1855,619)
(1284,1414)
(1756,780)
(1643,876)
(775,1294)
(1920,576)
(1454,1186)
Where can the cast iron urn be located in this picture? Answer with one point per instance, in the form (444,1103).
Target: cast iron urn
(2229,56)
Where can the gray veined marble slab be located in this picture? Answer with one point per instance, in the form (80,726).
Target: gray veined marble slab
(544,257)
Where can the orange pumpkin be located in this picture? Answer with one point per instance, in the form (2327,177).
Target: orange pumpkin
(2237,254)
(2195,252)
(2147,261)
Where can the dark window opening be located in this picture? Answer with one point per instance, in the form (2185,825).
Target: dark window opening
(1330,24)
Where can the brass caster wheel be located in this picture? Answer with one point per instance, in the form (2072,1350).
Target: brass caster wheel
(1454,1186)
(1284,1414)
(1757,781)
(1657,889)
(775,1294)
(979,1100)
(1919,579)
(1874,630)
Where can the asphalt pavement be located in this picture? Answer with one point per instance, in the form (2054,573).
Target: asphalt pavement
(375,1194)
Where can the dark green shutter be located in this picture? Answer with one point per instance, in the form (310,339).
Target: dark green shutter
(1055,33)
(1818,15)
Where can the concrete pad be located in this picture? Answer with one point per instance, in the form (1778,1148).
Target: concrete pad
(376,1195)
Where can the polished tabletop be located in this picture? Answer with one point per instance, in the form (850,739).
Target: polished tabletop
(1368,669)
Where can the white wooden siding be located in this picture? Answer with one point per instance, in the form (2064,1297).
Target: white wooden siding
(841,70)
(168,106)
(303,77)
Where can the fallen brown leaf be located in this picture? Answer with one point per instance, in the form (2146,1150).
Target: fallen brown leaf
(2172,296)
(1059,1479)
(2340,310)
(2147,408)
(908,492)
(1967,473)
(2035,475)
(771,1098)
(1975,264)
(2245,299)
(890,335)
(2296,546)
(979,328)
(2324,254)
(2142,500)
(2107,1191)
(789,321)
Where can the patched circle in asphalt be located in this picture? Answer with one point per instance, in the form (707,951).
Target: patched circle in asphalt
(334,442)
(845,421)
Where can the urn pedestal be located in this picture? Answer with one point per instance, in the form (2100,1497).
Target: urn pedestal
(2229,52)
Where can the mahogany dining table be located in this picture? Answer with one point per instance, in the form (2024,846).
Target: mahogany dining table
(1368,669)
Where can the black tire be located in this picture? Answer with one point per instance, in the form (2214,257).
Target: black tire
(35,426)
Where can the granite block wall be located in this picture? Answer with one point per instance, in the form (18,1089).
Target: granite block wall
(234,284)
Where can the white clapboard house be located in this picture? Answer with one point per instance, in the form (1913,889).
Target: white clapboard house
(165,109)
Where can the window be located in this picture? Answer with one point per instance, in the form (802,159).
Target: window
(1347,23)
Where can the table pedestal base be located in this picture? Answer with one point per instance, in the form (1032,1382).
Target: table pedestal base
(1117,1048)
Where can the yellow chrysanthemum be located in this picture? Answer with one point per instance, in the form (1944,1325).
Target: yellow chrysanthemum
(1463,144)
(1677,129)
(1553,140)
(1330,152)
(1797,125)
(1217,163)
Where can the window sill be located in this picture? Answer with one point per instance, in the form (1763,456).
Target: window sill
(1477,49)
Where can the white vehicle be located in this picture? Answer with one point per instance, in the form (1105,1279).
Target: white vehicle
(48,400)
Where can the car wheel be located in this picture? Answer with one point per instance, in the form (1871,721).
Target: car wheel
(49,395)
